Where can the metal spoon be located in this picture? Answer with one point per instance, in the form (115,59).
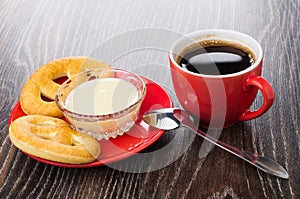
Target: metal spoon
(171,118)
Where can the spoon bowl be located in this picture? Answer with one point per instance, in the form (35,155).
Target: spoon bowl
(162,119)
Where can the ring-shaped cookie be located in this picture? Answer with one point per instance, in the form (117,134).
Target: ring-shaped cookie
(41,84)
(52,139)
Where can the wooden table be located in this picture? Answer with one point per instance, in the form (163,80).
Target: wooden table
(35,32)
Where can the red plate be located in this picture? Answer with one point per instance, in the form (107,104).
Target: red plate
(138,138)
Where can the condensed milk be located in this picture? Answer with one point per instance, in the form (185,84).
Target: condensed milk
(101,96)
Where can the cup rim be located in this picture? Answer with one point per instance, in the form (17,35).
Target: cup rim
(227,32)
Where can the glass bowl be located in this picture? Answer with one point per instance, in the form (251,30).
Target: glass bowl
(103,103)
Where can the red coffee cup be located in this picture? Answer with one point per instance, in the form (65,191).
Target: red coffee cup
(219,101)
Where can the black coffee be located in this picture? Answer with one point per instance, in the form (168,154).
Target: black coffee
(217,58)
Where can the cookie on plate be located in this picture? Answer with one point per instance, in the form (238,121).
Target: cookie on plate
(41,84)
(52,139)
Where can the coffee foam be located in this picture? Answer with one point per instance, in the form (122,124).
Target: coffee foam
(215,42)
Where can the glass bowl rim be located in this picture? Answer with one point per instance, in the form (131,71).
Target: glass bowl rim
(114,115)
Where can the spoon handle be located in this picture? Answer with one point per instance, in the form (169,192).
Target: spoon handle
(263,163)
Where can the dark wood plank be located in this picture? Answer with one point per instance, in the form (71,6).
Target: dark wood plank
(35,32)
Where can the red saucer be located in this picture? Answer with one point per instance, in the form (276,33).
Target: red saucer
(138,138)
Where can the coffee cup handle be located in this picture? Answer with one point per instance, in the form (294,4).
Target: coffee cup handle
(267,92)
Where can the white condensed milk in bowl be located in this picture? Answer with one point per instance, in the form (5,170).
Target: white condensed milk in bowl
(103,103)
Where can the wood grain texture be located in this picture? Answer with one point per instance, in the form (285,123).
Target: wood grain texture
(35,32)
